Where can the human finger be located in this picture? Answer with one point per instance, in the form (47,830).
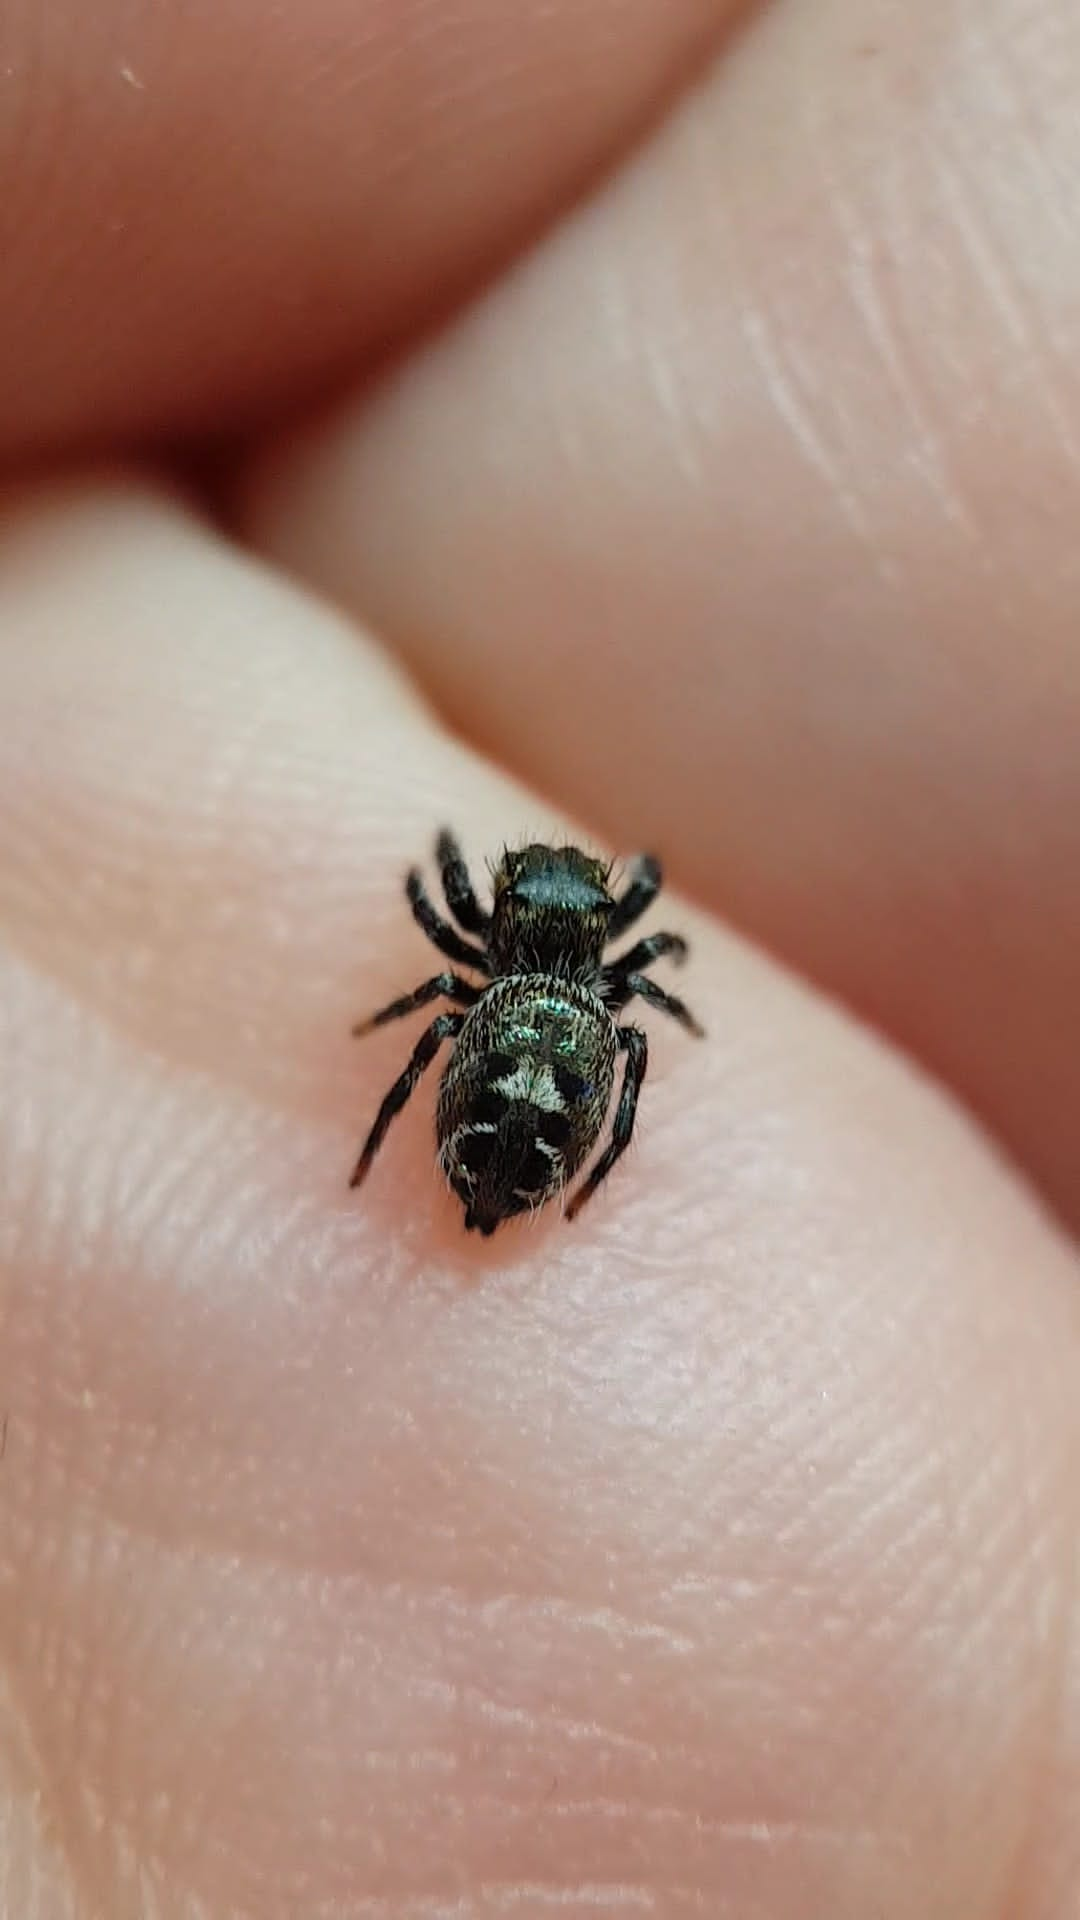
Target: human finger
(710,1554)
(745,514)
(210,209)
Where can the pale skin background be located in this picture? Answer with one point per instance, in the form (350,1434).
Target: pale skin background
(716,1556)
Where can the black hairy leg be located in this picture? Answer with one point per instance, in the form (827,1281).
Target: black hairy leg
(646,881)
(639,986)
(445,986)
(439,931)
(458,888)
(633,1043)
(654,947)
(445,1027)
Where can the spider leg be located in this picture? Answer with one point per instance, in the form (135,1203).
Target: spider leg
(644,952)
(636,1048)
(439,931)
(639,985)
(646,882)
(447,986)
(444,1027)
(457,886)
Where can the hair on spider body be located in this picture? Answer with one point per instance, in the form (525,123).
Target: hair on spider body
(536,1044)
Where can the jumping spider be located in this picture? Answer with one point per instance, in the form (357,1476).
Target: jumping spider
(527,1088)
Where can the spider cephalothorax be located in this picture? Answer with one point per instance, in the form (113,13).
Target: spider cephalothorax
(527,1088)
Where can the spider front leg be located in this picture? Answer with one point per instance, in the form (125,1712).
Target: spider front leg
(446,1027)
(645,883)
(636,1048)
(457,886)
(445,986)
(439,931)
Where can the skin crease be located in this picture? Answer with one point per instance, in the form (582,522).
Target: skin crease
(714,1556)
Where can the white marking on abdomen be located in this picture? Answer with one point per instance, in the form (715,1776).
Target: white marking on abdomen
(534,1084)
(450,1157)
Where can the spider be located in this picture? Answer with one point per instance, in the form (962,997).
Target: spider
(526,1091)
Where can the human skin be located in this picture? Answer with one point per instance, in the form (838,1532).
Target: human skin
(715,1555)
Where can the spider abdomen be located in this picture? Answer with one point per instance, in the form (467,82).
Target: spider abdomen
(525,1094)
